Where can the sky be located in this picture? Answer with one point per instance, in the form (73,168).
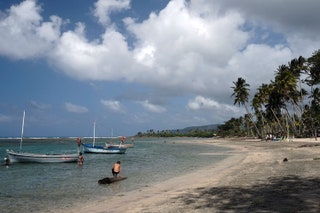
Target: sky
(136,65)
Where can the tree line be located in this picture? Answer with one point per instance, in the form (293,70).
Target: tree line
(209,133)
(288,106)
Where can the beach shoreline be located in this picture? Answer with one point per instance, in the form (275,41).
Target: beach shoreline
(257,176)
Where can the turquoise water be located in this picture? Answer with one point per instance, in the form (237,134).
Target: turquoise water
(46,187)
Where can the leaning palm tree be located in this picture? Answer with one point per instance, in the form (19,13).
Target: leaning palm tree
(241,93)
(298,66)
(312,113)
(273,108)
(286,86)
(313,70)
(257,104)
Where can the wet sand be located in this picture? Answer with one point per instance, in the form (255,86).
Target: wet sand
(258,176)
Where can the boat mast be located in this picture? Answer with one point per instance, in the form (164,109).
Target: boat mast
(22,128)
(94,133)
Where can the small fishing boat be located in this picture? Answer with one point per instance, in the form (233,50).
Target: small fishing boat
(122,143)
(23,157)
(109,180)
(92,148)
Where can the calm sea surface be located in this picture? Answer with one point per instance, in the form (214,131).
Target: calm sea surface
(46,187)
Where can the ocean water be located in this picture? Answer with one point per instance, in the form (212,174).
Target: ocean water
(47,187)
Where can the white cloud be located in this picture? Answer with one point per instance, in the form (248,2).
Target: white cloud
(259,70)
(103,9)
(75,108)
(187,49)
(200,102)
(189,45)
(152,107)
(113,105)
(145,55)
(79,58)
(196,47)
(5,118)
(298,21)
(41,106)
(24,35)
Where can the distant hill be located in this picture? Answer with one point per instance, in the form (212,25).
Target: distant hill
(205,127)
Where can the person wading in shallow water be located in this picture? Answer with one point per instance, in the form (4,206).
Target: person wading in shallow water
(80,159)
(116,169)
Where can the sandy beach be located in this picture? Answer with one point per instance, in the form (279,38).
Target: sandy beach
(258,176)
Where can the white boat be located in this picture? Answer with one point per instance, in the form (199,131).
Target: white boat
(92,148)
(122,143)
(23,157)
(119,145)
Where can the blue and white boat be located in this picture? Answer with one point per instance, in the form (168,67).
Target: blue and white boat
(92,148)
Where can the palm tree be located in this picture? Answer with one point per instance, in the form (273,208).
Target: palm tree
(312,113)
(241,93)
(313,70)
(258,104)
(273,108)
(280,103)
(298,66)
(285,85)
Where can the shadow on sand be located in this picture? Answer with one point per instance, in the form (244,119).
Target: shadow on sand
(287,194)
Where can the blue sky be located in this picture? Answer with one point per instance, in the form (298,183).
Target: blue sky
(137,65)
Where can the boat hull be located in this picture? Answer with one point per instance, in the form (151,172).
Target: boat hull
(120,145)
(109,180)
(88,148)
(21,157)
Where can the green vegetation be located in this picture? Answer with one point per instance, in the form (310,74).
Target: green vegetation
(201,133)
(288,106)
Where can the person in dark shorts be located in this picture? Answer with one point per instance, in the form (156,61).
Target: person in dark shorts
(116,169)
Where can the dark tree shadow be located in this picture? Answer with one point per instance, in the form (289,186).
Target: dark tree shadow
(288,194)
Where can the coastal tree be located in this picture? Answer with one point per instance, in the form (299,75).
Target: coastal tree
(285,85)
(311,115)
(258,103)
(241,94)
(290,103)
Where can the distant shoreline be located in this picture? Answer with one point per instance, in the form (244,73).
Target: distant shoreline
(55,138)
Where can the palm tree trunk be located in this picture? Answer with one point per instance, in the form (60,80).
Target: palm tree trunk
(254,123)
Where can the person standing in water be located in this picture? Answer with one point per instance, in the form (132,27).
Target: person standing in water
(116,169)
(6,162)
(79,144)
(80,159)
